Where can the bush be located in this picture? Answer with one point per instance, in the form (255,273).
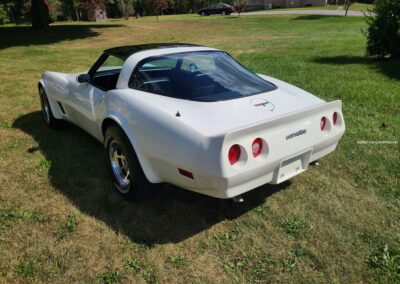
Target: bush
(384,29)
(3,15)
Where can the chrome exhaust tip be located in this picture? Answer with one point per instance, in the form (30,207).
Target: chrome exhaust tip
(238,199)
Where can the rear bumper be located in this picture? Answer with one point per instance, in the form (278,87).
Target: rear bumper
(291,141)
(270,172)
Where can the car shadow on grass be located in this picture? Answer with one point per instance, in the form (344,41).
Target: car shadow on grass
(314,17)
(388,67)
(77,169)
(25,36)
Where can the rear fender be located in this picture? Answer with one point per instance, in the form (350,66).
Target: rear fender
(144,162)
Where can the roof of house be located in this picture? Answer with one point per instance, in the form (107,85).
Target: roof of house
(124,52)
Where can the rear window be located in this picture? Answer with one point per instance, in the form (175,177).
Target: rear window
(207,76)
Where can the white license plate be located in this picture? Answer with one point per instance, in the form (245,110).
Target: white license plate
(293,166)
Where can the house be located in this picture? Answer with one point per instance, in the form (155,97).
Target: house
(92,11)
(269,4)
(96,15)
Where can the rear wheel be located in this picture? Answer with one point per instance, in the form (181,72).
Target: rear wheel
(123,165)
(46,110)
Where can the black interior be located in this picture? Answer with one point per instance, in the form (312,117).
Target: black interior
(106,80)
(163,81)
(176,82)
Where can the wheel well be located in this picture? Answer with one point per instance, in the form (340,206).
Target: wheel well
(107,123)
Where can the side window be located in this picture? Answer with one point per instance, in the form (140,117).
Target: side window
(111,63)
(154,75)
(198,63)
(106,76)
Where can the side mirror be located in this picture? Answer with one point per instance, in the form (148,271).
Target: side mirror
(83,78)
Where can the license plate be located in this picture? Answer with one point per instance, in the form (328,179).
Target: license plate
(293,166)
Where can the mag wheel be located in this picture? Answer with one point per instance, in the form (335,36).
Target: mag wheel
(119,165)
(124,167)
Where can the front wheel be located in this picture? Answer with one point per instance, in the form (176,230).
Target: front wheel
(46,111)
(123,165)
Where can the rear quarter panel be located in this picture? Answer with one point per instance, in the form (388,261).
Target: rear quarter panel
(161,141)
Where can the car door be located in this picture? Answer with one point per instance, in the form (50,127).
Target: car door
(213,9)
(85,96)
(218,9)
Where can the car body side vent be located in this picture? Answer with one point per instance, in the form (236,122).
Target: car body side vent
(61,107)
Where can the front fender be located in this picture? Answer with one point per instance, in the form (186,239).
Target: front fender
(53,105)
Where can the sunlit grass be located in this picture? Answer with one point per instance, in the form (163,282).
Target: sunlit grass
(60,220)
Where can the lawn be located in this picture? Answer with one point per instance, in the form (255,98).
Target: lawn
(354,7)
(61,221)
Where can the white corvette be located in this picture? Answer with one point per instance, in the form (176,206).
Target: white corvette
(194,117)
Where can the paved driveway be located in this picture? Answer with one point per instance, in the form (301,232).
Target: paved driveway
(305,12)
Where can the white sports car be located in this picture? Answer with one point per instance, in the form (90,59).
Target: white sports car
(194,117)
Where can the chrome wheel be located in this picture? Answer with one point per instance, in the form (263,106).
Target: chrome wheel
(45,106)
(119,166)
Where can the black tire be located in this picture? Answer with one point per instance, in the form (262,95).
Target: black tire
(47,112)
(132,184)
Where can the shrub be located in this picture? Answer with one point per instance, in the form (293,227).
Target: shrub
(384,29)
(3,15)
(387,263)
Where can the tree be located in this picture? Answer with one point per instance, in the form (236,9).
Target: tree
(383,34)
(3,15)
(347,4)
(239,5)
(156,6)
(70,10)
(39,14)
(125,7)
(55,9)
(16,9)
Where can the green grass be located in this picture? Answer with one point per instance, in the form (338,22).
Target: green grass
(67,227)
(61,221)
(354,7)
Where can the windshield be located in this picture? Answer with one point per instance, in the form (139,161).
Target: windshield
(207,76)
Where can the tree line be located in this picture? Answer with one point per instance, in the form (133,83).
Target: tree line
(75,10)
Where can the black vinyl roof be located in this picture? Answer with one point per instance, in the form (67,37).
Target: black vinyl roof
(124,52)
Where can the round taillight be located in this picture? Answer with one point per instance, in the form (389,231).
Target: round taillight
(256,147)
(335,116)
(234,154)
(323,123)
